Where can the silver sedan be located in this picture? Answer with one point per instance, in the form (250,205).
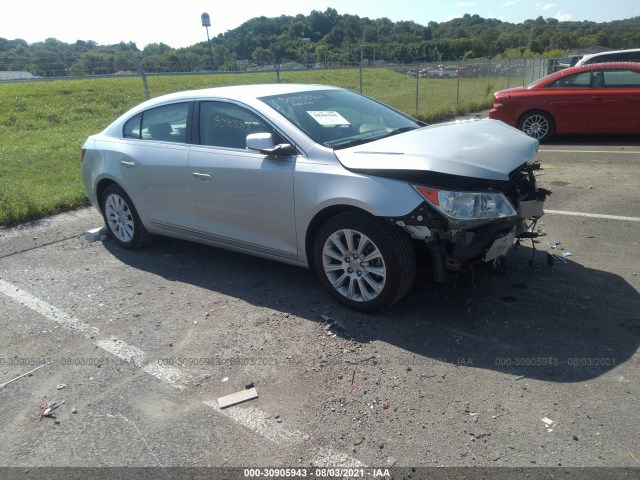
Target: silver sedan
(315,176)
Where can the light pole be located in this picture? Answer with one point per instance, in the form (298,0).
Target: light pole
(206,22)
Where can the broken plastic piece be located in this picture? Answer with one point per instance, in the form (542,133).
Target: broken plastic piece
(46,409)
(548,422)
(558,257)
(567,254)
(519,377)
(97,234)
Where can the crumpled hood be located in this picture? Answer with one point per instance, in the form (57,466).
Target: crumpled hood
(484,149)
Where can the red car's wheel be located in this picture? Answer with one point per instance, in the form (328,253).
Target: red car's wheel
(537,124)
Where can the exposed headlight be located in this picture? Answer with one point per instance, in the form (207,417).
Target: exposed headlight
(470,208)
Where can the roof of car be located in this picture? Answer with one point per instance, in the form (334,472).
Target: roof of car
(599,66)
(605,54)
(245,91)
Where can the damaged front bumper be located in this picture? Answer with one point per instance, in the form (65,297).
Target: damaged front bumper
(453,243)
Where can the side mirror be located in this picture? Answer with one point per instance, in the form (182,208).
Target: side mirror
(263,143)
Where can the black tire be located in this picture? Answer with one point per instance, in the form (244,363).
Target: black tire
(538,124)
(340,253)
(122,219)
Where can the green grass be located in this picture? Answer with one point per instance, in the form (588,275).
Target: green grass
(43,124)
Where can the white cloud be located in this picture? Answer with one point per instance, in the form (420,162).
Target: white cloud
(511,3)
(563,17)
(545,6)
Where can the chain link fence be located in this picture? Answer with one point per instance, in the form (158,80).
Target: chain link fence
(429,91)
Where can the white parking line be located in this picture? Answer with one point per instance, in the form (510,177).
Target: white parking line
(251,418)
(593,215)
(46,310)
(167,373)
(261,423)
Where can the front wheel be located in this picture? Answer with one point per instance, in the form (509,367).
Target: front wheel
(537,124)
(365,264)
(122,219)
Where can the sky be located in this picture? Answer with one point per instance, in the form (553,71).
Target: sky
(177,23)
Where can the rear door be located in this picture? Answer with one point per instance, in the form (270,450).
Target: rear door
(153,165)
(614,103)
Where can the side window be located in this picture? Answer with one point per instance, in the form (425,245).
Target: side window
(167,123)
(227,125)
(132,129)
(630,57)
(621,79)
(579,80)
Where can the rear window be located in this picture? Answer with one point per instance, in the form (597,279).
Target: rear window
(167,123)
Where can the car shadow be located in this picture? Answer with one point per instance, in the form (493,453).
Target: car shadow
(561,323)
(628,140)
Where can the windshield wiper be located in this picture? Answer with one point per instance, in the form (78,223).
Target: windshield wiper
(353,143)
(397,131)
(360,141)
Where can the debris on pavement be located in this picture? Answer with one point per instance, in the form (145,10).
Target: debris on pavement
(479,433)
(548,423)
(61,386)
(559,258)
(332,326)
(23,375)
(47,408)
(238,397)
(97,234)
(496,455)
(519,377)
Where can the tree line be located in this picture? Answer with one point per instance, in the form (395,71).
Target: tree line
(324,38)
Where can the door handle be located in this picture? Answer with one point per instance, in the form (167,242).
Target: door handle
(202,176)
(128,164)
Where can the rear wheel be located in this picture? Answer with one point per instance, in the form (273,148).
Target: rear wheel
(365,264)
(122,219)
(537,124)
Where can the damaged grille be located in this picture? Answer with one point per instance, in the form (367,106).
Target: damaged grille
(522,185)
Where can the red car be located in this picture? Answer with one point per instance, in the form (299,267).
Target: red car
(598,98)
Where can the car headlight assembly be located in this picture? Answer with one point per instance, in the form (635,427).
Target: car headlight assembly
(468,209)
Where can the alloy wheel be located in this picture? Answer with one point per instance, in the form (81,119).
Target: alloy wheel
(354,265)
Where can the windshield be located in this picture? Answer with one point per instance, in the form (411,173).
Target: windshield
(340,118)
